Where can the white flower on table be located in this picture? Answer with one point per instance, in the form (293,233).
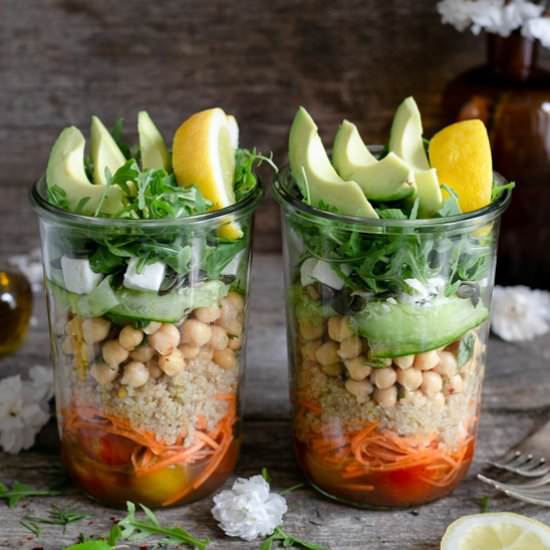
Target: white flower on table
(249,510)
(538,29)
(520,313)
(24,408)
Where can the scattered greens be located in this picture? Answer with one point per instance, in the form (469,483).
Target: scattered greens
(484,504)
(56,516)
(286,540)
(20,490)
(292,488)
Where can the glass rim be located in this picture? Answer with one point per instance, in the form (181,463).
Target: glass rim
(482,215)
(41,205)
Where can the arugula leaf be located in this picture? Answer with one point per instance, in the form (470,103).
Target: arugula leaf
(20,490)
(391,214)
(57,516)
(466,349)
(287,540)
(497,189)
(451,206)
(246,162)
(58,197)
(134,529)
(91,545)
(293,488)
(266,475)
(220,255)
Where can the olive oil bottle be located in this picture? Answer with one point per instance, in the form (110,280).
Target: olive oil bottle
(15,310)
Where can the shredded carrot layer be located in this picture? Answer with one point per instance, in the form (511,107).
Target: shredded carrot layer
(151,455)
(357,453)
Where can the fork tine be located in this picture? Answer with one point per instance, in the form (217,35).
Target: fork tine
(532,492)
(507,459)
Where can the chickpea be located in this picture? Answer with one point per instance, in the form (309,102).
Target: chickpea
(431,383)
(219,339)
(234,327)
(383,378)
(165,339)
(73,327)
(135,374)
(225,359)
(130,337)
(350,347)
(335,369)
(410,379)
(152,327)
(358,368)
(447,364)
(327,354)
(113,353)
(195,333)
(310,330)
(103,374)
(309,348)
(172,363)
(456,385)
(142,353)
(386,397)
(235,343)
(404,362)
(67,346)
(236,301)
(427,360)
(206,354)
(189,352)
(95,330)
(208,314)
(360,389)
(154,370)
(339,328)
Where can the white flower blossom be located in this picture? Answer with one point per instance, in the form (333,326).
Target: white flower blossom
(31,266)
(519,313)
(494,16)
(248,510)
(538,29)
(24,408)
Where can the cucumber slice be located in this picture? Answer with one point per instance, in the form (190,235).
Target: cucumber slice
(97,303)
(399,329)
(169,308)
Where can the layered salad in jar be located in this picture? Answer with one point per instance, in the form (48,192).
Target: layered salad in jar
(146,255)
(391,254)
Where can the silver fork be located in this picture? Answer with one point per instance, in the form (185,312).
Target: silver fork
(531,459)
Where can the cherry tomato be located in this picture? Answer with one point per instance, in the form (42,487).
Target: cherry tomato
(157,487)
(109,449)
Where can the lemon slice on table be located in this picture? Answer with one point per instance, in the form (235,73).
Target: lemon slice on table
(461,153)
(499,531)
(203,155)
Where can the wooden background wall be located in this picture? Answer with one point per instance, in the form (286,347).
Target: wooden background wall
(62,60)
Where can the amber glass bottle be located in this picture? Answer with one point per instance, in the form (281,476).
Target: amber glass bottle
(15,310)
(511,94)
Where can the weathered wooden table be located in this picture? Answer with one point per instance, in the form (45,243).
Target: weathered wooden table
(516,401)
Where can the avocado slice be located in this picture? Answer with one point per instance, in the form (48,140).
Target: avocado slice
(66,170)
(399,329)
(406,136)
(104,151)
(154,154)
(429,192)
(386,180)
(315,175)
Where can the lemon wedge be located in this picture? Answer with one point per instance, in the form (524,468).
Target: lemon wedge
(461,154)
(499,531)
(203,155)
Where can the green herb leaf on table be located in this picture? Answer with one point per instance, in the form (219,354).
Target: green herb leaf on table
(266,475)
(91,545)
(287,540)
(57,516)
(134,529)
(31,526)
(484,504)
(20,490)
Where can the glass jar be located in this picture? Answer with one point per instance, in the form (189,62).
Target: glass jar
(387,331)
(147,382)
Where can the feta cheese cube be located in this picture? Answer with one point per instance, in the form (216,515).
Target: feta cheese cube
(150,278)
(306,270)
(324,273)
(78,275)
